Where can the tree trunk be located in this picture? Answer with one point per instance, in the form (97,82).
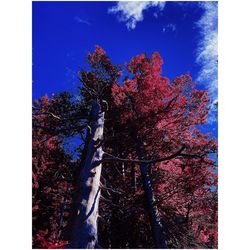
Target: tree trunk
(157,231)
(84,235)
(133,176)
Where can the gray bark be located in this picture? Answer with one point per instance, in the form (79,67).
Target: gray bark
(157,231)
(84,235)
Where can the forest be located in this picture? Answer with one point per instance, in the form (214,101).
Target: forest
(124,163)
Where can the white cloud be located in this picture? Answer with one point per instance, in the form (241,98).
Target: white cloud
(132,12)
(207,51)
(169,27)
(80,20)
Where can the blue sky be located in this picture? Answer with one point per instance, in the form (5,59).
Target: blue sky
(184,33)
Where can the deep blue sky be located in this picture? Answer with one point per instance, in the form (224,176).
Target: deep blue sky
(63,32)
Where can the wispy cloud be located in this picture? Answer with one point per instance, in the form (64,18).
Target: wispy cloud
(207,51)
(132,12)
(169,27)
(80,20)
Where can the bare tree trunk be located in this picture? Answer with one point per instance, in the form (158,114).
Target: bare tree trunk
(84,235)
(157,231)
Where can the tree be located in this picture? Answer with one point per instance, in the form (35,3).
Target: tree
(96,87)
(147,125)
(157,118)
(52,170)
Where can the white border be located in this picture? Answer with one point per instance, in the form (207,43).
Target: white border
(234,124)
(15,103)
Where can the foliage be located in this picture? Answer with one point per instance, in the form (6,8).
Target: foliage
(52,172)
(164,116)
(147,110)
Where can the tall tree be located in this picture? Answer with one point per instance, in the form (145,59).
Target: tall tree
(145,134)
(161,118)
(96,88)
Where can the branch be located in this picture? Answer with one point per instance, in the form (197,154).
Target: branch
(88,89)
(110,189)
(47,113)
(109,202)
(58,117)
(191,155)
(196,155)
(56,131)
(118,159)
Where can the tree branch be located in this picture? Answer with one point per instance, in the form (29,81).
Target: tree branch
(56,131)
(118,159)
(109,202)
(58,117)
(47,113)
(191,155)
(110,189)
(91,91)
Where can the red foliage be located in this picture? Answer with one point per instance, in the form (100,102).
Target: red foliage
(165,115)
(51,168)
(49,245)
(102,75)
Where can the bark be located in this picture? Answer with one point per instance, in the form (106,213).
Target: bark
(156,227)
(84,235)
(133,176)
